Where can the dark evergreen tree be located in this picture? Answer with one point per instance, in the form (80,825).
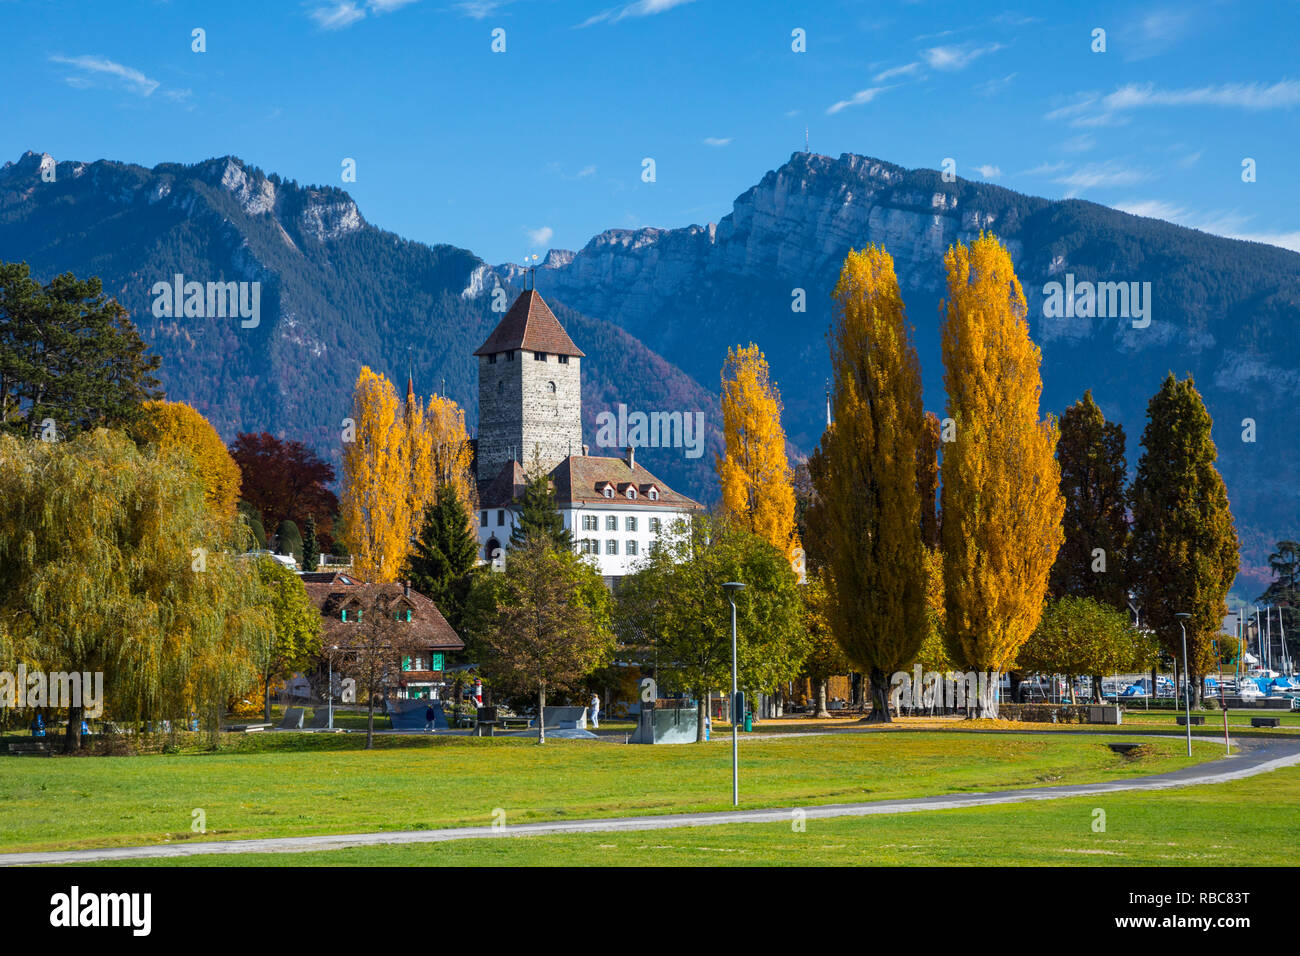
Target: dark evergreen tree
(537,515)
(1184,545)
(1283,592)
(68,354)
(1093,558)
(442,565)
(288,539)
(254,519)
(310,546)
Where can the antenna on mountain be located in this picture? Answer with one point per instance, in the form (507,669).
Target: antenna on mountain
(530,272)
(805,140)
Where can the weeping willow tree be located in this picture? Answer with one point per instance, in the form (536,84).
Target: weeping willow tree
(113,562)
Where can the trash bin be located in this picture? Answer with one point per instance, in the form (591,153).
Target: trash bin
(749,721)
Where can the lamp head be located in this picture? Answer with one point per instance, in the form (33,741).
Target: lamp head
(732,587)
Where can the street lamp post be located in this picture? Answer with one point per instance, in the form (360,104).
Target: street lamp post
(1187,679)
(732,587)
(331,687)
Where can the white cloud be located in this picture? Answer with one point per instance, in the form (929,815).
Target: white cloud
(905,70)
(480,9)
(1079,144)
(540,237)
(336,16)
(639,8)
(988,172)
(1091,109)
(716,141)
(339,14)
(101,67)
(857,99)
(995,85)
(1100,175)
(1153,33)
(950,58)
(586,171)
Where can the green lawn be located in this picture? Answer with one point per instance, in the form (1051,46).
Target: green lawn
(267,785)
(1251,822)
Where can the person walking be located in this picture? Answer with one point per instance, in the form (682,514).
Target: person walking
(595,710)
(429,716)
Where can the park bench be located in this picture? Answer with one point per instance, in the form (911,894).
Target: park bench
(1266,721)
(30,747)
(247,728)
(1197,720)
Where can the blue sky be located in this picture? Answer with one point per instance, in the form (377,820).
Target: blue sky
(541,145)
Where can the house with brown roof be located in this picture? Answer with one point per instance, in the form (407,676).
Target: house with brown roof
(530,410)
(427,639)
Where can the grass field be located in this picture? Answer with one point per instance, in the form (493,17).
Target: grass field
(1251,822)
(269,785)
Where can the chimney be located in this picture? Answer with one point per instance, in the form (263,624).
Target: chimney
(585,451)
(631,456)
(406,589)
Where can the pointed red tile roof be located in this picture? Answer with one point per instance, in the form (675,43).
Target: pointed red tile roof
(530,325)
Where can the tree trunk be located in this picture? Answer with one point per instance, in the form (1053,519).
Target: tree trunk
(72,739)
(879,698)
(703,712)
(370,721)
(822,690)
(1096,690)
(541,714)
(266,706)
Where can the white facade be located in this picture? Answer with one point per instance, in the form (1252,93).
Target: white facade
(614,537)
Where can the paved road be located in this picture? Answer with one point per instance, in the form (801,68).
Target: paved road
(1253,757)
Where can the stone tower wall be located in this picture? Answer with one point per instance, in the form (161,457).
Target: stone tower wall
(519,414)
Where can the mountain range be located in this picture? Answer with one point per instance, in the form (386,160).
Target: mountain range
(655,309)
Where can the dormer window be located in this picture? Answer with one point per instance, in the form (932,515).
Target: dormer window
(631,494)
(654,494)
(609,492)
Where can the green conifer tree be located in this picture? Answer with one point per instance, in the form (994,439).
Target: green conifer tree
(1184,546)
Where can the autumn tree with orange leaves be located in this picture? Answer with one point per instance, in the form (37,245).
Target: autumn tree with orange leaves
(1001,497)
(755,473)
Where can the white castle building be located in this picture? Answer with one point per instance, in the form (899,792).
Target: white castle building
(530,409)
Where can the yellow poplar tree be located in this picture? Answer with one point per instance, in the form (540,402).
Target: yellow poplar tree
(375,505)
(865,472)
(755,475)
(1001,498)
(169,425)
(449,449)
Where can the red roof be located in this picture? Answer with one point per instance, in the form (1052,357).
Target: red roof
(531,326)
(332,591)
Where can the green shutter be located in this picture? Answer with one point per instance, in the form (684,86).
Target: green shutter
(435,663)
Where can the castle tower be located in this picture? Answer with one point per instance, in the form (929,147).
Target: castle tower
(529,390)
